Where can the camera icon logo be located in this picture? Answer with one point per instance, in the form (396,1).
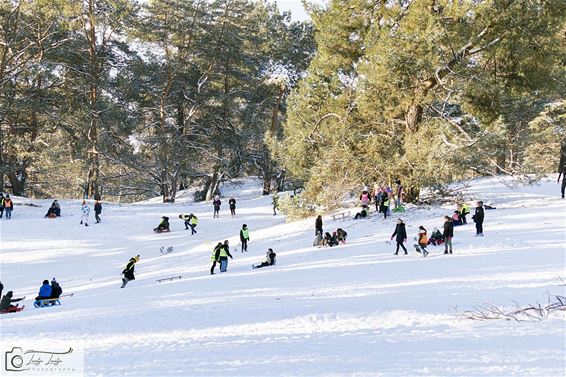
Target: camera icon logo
(14,360)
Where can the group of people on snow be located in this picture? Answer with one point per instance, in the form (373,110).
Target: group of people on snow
(382,197)
(47,291)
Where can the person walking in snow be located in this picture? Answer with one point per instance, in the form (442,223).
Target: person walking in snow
(214,257)
(478,219)
(400,235)
(232,204)
(422,241)
(222,254)
(85,211)
(8,206)
(561,174)
(464,210)
(377,198)
(44,291)
(216,203)
(275,203)
(399,194)
(448,233)
(318,226)
(128,272)
(2,204)
(270,258)
(97,210)
(244,237)
(385,204)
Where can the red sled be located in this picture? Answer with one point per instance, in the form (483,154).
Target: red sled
(13,309)
(157,230)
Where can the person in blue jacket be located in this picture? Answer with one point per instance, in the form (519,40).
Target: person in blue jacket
(44,291)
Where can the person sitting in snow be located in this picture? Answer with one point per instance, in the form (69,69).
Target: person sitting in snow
(163,225)
(128,272)
(329,240)
(435,238)
(7,300)
(269,259)
(341,235)
(363,213)
(44,291)
(54,210)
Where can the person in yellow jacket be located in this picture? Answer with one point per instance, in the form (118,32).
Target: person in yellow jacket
(190,221)
(129,270)
(244,237)
(215,256)
(464,210)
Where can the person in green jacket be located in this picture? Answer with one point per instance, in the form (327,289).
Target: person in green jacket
(244,237)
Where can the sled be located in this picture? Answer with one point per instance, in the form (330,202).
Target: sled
(157,230)
(52,216)
(15,309)
(399,209)
(47,302)
(169,278)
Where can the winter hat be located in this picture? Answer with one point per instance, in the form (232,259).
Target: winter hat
(53,280)
(137,258)
(244,226)
(46,282)
(10,293)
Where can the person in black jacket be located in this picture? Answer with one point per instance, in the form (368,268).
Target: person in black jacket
(448,234)
(222,254)
(341,235)
(216,203)
(56,289)
(129,270)
(232,204)
(6,302)
(97,210)
(478,219)
(318,226)
(269,260)
(400,235)
(214,257)
(244,237)
(1,288)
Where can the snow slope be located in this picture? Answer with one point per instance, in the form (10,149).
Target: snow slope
(352,310)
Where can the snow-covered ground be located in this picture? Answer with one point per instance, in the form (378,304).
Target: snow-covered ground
(352,310)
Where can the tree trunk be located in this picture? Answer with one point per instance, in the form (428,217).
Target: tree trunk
(92,134)
(213,184)
(17,183)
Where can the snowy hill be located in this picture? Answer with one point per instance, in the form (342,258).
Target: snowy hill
(351,310)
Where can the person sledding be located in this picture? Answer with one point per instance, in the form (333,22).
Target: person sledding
(163,226)
(128,272)
(53,211)
(330,240)
(44,291)
(6,303)
(56,289)
(269,260)
(362,214)
(422,241)
(436,238)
